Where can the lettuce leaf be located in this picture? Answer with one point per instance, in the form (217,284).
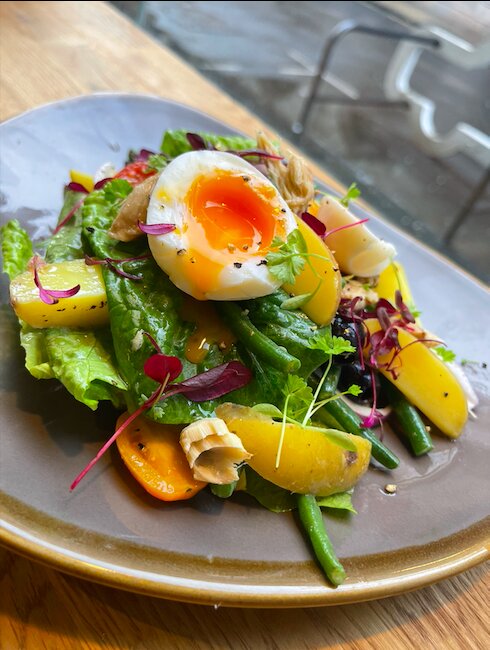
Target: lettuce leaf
(270,496)
(175,143)
(16,248)
(339,501)
(80,359)
(66,244)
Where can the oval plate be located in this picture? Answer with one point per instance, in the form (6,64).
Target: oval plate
(206,550)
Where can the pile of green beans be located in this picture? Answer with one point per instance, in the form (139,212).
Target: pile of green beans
(260,344)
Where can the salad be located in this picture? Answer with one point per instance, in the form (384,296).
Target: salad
(253,333)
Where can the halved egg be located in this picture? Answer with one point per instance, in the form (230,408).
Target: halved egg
(226,214)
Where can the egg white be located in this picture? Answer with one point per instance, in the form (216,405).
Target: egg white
(167,205)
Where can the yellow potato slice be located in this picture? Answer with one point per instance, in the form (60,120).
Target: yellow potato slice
(86,309)
(426,382)
(322,307)
(310,462)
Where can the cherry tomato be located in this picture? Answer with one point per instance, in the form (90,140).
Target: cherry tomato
(153,455)
(135,172)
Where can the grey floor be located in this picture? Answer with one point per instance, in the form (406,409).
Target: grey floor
(264,53)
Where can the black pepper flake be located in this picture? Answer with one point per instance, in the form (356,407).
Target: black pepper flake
(283,209)
(93,307)
(74,306)
(90,229)
(103,303)
(181,251)
(245,247)
(141,446)
(246,178)
(193,260)
(64,309)
(262,262)
(237,265)
(446,394)
(484,365)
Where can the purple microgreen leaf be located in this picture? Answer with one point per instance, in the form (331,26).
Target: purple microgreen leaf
(100,184)
(162,368)
(197,142)
(122,273)
(77,187)
(50,296)
(153,342)
(69,215)
(142,155)
(156,228)
(315,224)
(405,312)
(257,153)
(213,383)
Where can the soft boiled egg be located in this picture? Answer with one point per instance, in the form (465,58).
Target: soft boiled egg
(226,214)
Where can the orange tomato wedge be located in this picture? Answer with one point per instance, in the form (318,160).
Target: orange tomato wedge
(153,455)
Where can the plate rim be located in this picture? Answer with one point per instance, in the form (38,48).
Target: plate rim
(206,592)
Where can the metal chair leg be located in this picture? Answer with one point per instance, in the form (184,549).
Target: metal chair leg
(460,218)
(341,30)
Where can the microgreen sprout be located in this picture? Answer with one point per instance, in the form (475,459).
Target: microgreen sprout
(353,192)
(164,369)
(50,296)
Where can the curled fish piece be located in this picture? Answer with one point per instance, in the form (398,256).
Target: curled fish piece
(212,451)
(357,250)
(133,209)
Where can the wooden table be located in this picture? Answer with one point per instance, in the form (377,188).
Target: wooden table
(52,50)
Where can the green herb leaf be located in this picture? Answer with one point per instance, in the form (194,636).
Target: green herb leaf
(445,354)
(353,390)
(300,396)
(352,193)
(287,260)
(339,501)
(157,162)
(331,345)
(117,190)
(269,410)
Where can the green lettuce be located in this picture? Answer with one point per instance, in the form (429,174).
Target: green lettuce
(339,501)
(80,359)
(16,248)
(175,143)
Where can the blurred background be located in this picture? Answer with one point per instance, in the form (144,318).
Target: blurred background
(406,119)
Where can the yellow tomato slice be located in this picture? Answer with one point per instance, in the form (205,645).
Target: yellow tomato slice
(153,455)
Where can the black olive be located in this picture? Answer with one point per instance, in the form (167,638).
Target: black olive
(352,373)
(347,331)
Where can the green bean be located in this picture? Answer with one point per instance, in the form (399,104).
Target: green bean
(410,421)
(330,384)
(339,412)
(255,341)
(312,520)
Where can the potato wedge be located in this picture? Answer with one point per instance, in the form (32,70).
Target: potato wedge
(310,462)
(86,309)
(426,382)
(322,307)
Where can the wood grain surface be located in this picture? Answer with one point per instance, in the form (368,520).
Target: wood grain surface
(53,50)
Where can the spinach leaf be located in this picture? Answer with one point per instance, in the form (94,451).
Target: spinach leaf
(267,494)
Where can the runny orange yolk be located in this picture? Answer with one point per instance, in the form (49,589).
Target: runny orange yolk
(234,211)
(231,217)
